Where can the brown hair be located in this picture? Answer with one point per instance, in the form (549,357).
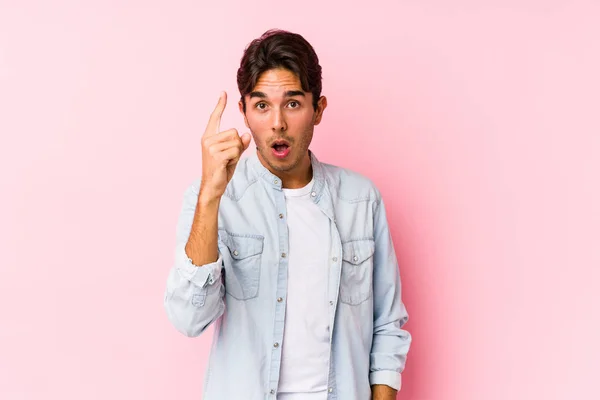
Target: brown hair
(277,48)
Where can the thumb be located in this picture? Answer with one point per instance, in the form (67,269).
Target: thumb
(246,137)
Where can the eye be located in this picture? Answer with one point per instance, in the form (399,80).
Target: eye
(294,104)
(261,106)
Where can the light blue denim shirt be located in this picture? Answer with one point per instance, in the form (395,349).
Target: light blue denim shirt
(244,291)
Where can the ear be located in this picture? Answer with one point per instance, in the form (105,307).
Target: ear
(321,106)
(241,107)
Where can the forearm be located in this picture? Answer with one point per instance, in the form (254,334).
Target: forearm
(383,392)
(202,246)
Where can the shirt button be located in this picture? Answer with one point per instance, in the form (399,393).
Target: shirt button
(280,216)
(279,299)
(276,181)
(276,345)
(282,255)
(313,194)
(330,390)
(334,259)
(355,258)
(235,253)
(272,391)
(331,303)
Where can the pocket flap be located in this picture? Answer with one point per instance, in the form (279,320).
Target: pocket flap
(358,251)
(241,247)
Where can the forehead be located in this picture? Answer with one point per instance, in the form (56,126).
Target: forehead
(277,81)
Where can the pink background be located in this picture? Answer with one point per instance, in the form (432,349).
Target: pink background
(478,120)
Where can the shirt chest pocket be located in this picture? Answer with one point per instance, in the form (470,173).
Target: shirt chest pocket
(242,256)
(356,284)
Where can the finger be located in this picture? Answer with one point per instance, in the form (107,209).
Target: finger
(246,138)
(231,155)
(220,147)
(225,136)
(214,122)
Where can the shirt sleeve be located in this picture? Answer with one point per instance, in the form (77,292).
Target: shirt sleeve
(193,298)
(390,341)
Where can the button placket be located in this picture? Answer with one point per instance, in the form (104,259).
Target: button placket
(278,328)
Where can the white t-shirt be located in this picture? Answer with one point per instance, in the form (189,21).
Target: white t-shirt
(305,350)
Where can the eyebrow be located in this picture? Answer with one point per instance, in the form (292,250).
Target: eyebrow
(289,93)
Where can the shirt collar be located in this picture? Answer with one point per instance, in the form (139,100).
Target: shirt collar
(274,181)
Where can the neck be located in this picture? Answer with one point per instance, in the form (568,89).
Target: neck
(295,178)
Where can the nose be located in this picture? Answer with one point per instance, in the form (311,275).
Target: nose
(279,123)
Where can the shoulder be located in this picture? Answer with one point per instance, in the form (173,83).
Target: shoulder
(350,185)
(242,179)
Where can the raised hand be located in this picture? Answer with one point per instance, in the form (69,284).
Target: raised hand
(221,152)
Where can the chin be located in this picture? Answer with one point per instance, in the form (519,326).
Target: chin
(282,165)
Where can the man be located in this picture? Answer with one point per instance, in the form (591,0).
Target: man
(291,258)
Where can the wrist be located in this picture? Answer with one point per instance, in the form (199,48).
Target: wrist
(208,197)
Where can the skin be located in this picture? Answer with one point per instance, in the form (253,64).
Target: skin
(221,151)
(278,108)
(383,392)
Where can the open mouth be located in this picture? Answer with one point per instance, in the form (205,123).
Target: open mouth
(281,148)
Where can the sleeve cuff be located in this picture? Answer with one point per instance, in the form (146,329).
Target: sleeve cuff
(200,275)
(392,379)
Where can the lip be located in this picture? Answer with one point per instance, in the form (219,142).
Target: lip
(281,154)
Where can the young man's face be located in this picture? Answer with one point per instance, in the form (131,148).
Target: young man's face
(281,118)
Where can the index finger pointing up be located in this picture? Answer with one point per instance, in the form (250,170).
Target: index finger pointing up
(214,123)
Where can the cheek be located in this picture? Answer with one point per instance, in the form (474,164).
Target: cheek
(259,128)
(305,123)
(300,120)
(257,122)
